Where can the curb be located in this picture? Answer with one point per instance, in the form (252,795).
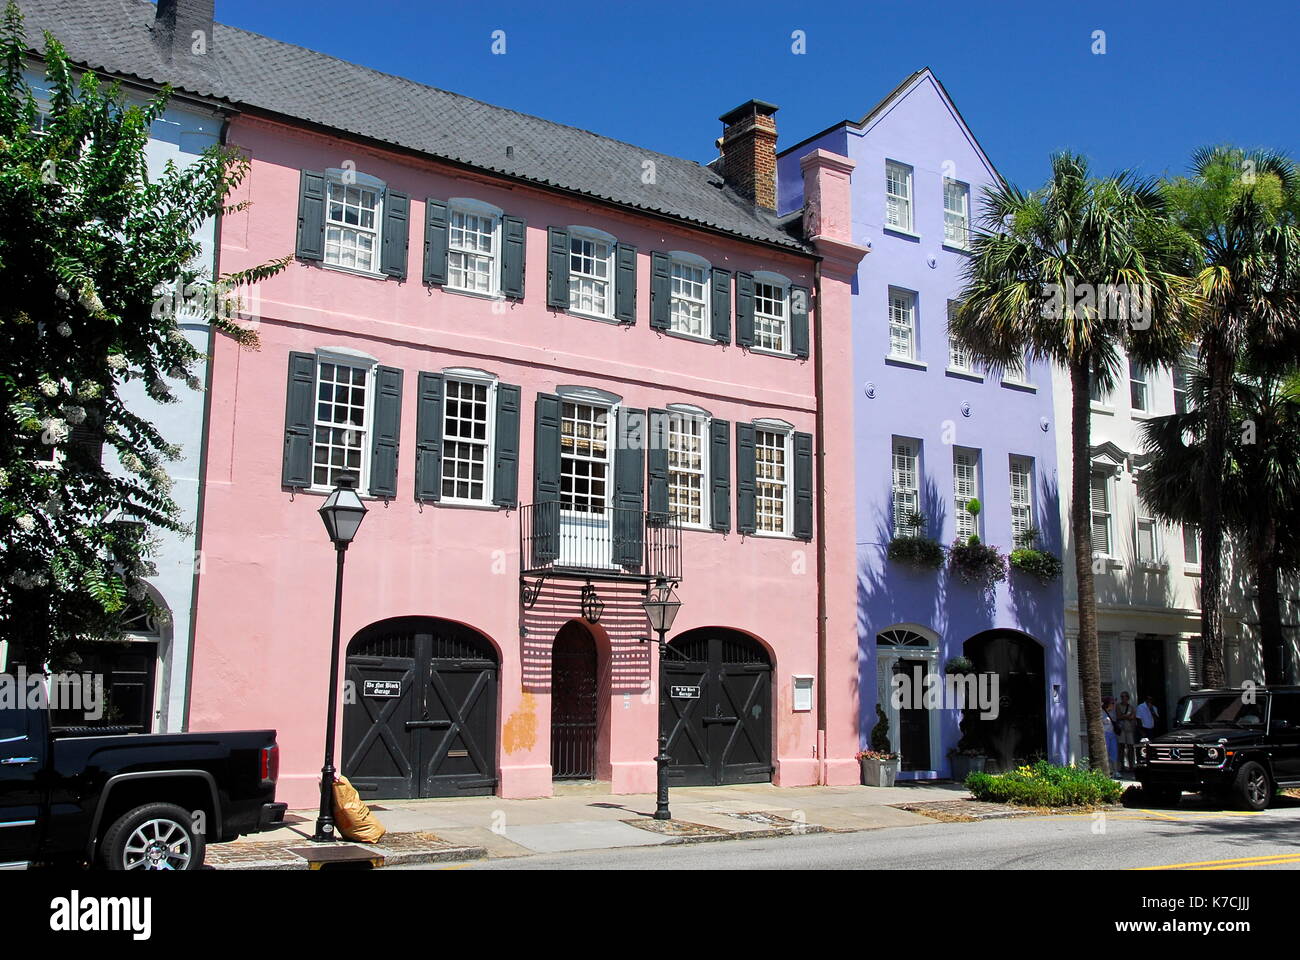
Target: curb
(390,858)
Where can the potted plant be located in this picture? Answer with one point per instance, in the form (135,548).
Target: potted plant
(916,549)
(1030,558)
(959,665)
(968,756)
(879,764)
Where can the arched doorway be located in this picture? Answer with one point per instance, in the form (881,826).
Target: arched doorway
(1018,734)
(913,651)
(716,704)
(421,710)
(574,702)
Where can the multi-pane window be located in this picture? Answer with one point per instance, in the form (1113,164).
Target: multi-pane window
(1183,370)
(1095,392)
(352,226)
(342,422)
(902,324)
(689,302)
(466,441)
(590,290)
(898,195)
(584,458)
(1191,545)
(1100,496)
(1137,379)
(956,213)
(965,487)
(771,323)
(1017,369)
(1147,544)
(687,442)
(472,251)
(1022,499)
(907,496)
(771,480)
(959,357)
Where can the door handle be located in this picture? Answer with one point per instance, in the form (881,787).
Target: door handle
(17,760)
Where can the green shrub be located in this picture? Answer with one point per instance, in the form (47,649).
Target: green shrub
(1045,785)
(1037,563)
(920,552)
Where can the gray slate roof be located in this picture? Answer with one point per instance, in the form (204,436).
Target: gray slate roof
(250,70)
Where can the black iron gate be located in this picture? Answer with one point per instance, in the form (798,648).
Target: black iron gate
(573,704)
(716,703)
(421,717)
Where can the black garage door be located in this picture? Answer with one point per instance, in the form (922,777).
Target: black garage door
(421,721)
(716,704)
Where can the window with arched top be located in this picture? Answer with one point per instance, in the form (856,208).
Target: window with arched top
(902,637)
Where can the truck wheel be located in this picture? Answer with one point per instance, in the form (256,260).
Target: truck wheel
(1253,787)
(156,836)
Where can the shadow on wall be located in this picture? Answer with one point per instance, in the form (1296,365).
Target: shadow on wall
(1037,607)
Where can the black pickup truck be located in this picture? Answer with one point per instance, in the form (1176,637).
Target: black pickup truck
(1232,744)
(128,801)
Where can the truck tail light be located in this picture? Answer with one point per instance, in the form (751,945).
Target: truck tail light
(271,763)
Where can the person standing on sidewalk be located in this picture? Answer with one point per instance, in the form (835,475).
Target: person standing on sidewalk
(1126,723)
(1149,716)
(1108,728)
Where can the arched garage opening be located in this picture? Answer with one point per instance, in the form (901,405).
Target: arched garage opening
(421,718)
(1018,734)
(716,704)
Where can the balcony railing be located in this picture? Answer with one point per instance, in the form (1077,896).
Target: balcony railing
(613,542)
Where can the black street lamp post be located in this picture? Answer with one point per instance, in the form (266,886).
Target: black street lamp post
(342,513)
(661,606)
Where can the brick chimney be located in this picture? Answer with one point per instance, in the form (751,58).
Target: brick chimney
(748,144)
(182,29)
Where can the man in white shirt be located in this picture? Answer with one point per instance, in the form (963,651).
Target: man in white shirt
(1148,716)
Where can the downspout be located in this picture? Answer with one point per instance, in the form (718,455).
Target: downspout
(820,453)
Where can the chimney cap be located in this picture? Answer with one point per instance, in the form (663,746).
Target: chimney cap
(750,108)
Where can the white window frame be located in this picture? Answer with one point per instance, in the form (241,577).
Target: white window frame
(779,325)
(1183,370)
(1109,513)
(611,451)
(360,181)
(679,260)
(1195,532)
(1139,376)
(962,240)
(959,359)
(1022,508)
(469,207)
(578,234)
(1141,518)
(909,297)
(900,173)
(785,432)
(472,378)
(905,448)
(681,413)
(355,360)
(1017,373)
(964,489)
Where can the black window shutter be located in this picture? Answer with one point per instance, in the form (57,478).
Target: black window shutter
(387,429)
(428,438)
(505,479)
(513,233)
(299,407)
(625,283)
(720,475)
(746,508)
(397,234)
(311,216)
(546,481)
(661,290)
(629,489)
(557,268)
(803,486)
(800,301)
(745,309)
(435,242)
(721,305)
(657,463)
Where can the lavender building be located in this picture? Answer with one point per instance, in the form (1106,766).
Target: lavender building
(932,431)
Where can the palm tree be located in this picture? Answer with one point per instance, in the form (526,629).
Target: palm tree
(1241,208)
(1260,484)
(1037,285)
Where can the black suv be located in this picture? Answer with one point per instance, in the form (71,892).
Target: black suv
(1234,744)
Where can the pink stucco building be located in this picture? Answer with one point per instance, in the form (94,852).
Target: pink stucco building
(559,367)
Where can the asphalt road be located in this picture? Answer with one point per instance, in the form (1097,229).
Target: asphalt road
(1131,839)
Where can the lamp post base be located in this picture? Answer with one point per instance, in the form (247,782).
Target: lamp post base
(325,832)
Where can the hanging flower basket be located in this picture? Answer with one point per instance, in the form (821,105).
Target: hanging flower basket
(977,562)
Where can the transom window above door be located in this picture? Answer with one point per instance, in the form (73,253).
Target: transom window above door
(584,457)
(352,218)
(902,637)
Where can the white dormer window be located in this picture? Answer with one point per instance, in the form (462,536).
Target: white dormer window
(591,273)
(353,214)
(473,247)
(956,213)
(898,195)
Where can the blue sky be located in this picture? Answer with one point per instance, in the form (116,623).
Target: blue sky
(1175,75)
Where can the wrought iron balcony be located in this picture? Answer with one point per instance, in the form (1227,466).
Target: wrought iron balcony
(608,542)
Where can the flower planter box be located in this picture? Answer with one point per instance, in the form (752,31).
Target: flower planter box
(879,773)
(962,767)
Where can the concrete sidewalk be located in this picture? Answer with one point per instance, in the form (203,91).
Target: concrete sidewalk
(585,816)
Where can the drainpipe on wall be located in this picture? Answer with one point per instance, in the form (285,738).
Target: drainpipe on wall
(820,455)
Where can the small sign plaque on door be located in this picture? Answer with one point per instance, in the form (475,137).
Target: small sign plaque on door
(382,688)
(684,693)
